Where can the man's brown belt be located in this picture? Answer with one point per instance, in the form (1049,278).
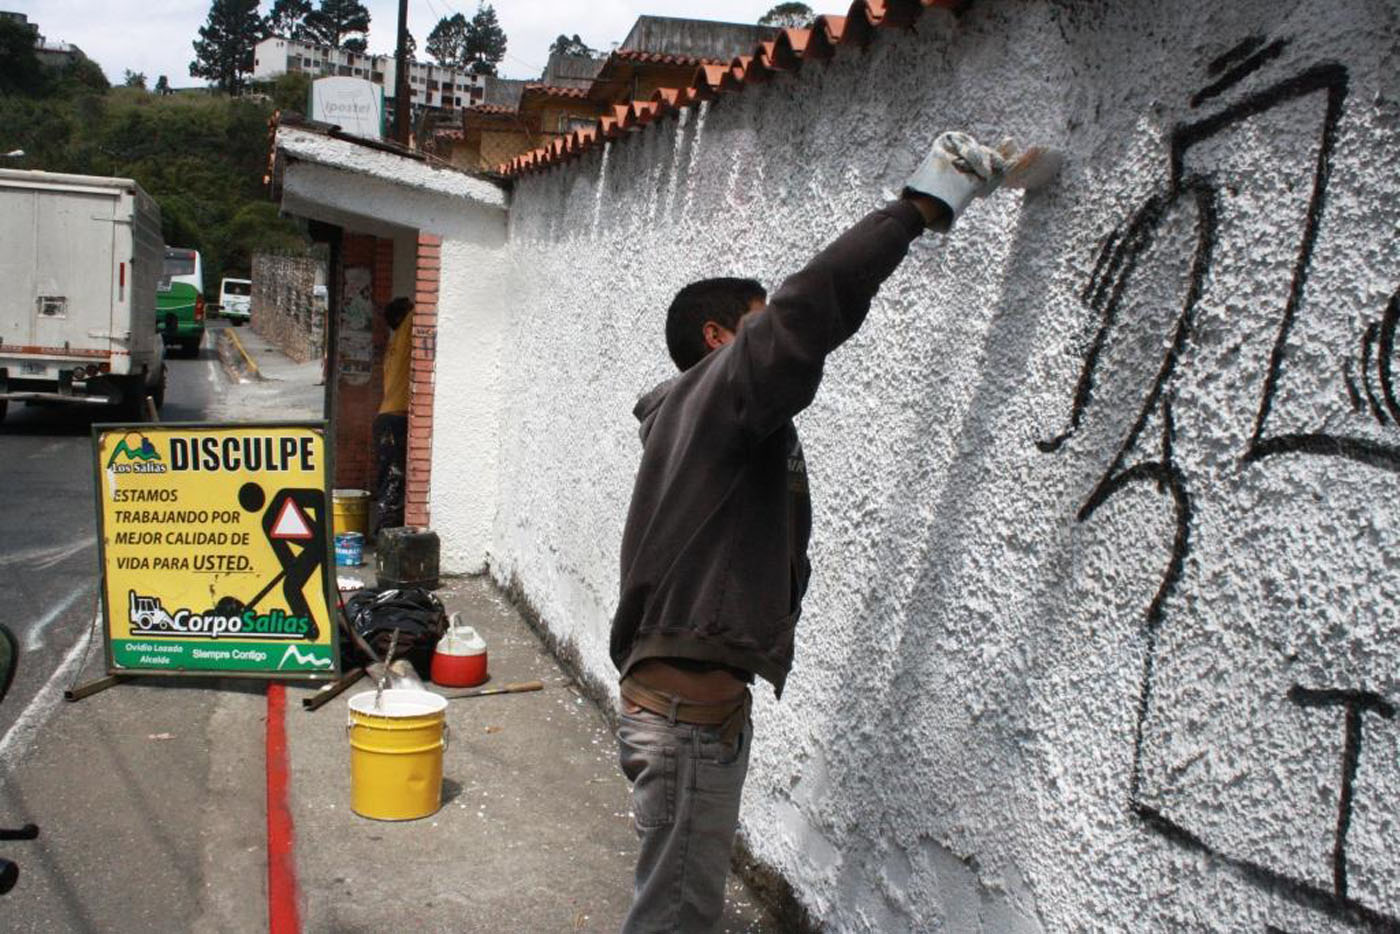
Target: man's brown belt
(731,714)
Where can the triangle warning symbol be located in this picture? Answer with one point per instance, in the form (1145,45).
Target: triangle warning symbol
(291,523)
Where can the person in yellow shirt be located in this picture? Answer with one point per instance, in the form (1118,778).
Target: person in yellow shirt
(391,424)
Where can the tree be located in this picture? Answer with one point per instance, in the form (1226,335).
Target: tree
(485,44)
(20,72)
(163,86)
(447,43)
(337,19)
(570,45)
(788,16)
(223,53)
(287,18)
(134,79)
(290,91)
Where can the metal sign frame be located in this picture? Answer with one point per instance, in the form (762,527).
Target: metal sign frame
(327,567)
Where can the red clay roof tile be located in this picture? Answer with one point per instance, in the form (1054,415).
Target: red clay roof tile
(786,52)
(548,90)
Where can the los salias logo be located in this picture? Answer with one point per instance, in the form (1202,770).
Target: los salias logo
(139,456)
(229,618)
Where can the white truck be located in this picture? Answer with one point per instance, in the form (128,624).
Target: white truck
(80,257)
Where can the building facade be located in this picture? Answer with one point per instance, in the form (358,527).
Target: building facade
(431,85)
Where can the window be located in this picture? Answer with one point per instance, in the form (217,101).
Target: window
(177,263)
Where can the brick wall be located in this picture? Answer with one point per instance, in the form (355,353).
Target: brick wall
(361,342)
(420,410)
(284,309)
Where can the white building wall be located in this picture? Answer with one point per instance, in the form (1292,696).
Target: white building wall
(275,56)
(1084,639)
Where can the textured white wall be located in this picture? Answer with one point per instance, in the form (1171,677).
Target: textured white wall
(1099,684)
(473,308)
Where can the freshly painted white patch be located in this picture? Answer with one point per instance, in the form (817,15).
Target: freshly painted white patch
(1105,489)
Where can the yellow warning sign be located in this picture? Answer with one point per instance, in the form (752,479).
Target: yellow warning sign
(216,548)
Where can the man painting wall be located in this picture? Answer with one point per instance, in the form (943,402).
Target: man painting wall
(391,424)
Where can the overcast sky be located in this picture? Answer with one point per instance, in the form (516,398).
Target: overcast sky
(154,36)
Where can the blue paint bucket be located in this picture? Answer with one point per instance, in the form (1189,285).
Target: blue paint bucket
(349,549)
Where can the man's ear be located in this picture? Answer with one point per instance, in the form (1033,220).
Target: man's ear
(716,335)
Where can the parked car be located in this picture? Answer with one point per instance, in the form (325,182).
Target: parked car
(236,299)
(180,299)
(82,256)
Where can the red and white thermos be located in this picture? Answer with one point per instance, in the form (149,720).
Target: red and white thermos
(459,661)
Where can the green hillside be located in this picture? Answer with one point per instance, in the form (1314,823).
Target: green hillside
(201,155)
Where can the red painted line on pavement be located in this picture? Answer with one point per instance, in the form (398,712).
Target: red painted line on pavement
(283,914)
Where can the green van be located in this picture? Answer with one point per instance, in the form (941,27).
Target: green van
(180,299)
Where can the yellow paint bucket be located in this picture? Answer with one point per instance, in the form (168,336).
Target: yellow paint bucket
(350,510)
(396,754)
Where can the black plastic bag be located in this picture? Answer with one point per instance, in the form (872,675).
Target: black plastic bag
(417,614)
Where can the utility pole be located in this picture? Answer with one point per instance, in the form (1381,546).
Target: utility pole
(402,91)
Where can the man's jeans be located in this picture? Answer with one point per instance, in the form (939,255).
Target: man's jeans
(686,784)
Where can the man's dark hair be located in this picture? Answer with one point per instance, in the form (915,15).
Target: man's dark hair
(397,310)
(723,301)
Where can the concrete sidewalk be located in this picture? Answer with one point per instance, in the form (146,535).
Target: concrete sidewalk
(267,375)
(535,831)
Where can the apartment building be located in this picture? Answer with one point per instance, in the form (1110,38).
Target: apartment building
(430,85)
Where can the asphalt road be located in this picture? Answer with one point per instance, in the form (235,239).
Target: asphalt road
(149,797)
(48,520)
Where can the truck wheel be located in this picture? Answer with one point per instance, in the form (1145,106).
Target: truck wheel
(4,404)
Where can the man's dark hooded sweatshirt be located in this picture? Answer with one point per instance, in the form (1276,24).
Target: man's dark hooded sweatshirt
(714,554)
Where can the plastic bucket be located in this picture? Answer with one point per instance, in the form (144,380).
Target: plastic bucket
(350,510)
(349,549)
(396,754)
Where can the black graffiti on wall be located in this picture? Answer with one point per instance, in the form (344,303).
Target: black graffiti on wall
(1354,703)
(1147,457)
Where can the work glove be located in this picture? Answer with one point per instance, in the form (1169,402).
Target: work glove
(956,170)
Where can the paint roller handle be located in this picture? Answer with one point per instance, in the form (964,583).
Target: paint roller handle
(518,687)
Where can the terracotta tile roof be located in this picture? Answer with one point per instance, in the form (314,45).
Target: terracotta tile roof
(546,90)
(489,109)
(785,53)
(658,58)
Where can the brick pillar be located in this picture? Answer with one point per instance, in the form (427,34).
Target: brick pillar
(420,407)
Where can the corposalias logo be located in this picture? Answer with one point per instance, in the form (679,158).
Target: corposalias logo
(142,457)
(148,617)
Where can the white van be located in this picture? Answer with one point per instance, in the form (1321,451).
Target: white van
(236,300)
